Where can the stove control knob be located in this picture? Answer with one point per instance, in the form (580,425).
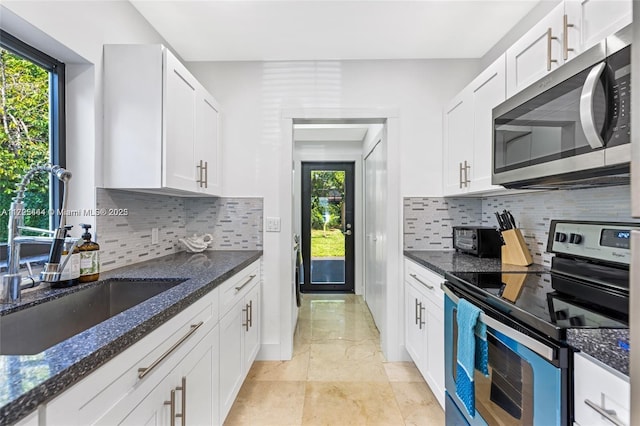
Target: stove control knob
(575,238)
(561,237)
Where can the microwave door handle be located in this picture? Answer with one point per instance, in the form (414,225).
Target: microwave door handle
(587,112)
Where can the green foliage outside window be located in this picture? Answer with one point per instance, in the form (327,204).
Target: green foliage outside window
(24,135)
(327,198)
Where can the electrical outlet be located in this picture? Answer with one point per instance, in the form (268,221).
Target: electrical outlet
(154,235)
(273,224)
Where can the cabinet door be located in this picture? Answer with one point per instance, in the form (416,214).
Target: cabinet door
(458,143)
(207,144)
(590,21)
(179,116)
(199,382)
(487,91)
(251,327)
(536,53)
(231,357)
(435,351)
(414,329)
(155,408)
(596,386)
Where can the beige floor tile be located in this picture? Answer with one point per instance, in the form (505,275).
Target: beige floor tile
(402,372)
(295,369)
(346,362)
(268,404)
(360,403)
(417,404)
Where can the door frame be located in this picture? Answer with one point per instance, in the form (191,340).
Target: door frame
(349,277)
(392,341)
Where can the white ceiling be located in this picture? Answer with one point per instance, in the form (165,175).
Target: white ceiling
(239,30)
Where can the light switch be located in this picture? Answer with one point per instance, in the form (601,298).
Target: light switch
(273,224)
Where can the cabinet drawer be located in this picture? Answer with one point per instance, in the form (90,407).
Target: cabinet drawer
(595,384)
(234,289)
(430,281)
(119,378)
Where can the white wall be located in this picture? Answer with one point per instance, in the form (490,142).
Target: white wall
(74,32)
(253,96)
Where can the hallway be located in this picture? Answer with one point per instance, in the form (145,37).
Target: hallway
(337,375)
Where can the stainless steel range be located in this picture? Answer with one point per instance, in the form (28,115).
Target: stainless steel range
(527,317)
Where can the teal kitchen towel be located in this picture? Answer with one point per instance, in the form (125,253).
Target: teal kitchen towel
(467,317)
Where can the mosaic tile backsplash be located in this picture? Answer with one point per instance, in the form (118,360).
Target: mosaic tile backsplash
(234,223)
(428,221)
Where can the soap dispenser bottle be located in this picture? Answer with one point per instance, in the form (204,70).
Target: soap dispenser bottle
(89,257)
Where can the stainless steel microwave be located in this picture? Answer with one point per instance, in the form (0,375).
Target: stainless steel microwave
(571,128)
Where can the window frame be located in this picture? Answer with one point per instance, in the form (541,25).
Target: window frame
(57,128)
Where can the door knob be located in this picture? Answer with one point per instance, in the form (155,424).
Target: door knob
(347,232)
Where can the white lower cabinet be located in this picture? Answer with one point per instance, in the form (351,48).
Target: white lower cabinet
(187,380)
(239,335)
(424,325)
(231,339)
(601,396)
(187,395)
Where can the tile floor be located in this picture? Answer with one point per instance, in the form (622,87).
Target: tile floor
(337,376)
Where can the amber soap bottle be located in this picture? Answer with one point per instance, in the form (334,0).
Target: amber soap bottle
(89,257)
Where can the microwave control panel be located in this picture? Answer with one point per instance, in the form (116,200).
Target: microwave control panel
(620,65)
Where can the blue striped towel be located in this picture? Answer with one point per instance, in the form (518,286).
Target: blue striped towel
(482,349)
(467,317)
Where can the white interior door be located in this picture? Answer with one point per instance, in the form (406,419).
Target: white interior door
(375,200)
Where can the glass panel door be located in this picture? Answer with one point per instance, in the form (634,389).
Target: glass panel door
(327,226)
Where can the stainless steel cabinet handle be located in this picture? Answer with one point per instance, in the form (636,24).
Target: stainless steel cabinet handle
(245,322)
(250,317)
(587,111)
(550,37)
(200,168)
(183,415)
(565,38)
(172,403)
(415,277)
(416,313)
(245,283)
(143,371)
(466,173)
(607,414)
(460,173)
(206,174)
(421,311)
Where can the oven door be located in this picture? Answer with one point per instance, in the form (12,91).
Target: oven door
(523,387)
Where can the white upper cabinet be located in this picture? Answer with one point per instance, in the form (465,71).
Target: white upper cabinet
(457,141)
(468,133)
(590,21)
(488,90)
(569,29)
(161,125)
(538,52)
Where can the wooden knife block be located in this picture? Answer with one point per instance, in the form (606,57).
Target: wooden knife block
(515,250)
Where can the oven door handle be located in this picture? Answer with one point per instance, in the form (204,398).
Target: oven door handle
(532,344)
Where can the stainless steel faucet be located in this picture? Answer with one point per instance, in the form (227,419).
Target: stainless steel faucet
(12,281)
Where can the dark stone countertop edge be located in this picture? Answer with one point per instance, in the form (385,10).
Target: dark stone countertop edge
(26,403)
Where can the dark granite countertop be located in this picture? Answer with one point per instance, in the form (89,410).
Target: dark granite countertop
(30,380)
(609,346)
(452,261)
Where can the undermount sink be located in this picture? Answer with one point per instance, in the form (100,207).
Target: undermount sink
(32,330)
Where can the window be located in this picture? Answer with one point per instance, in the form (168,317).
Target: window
(31,131)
